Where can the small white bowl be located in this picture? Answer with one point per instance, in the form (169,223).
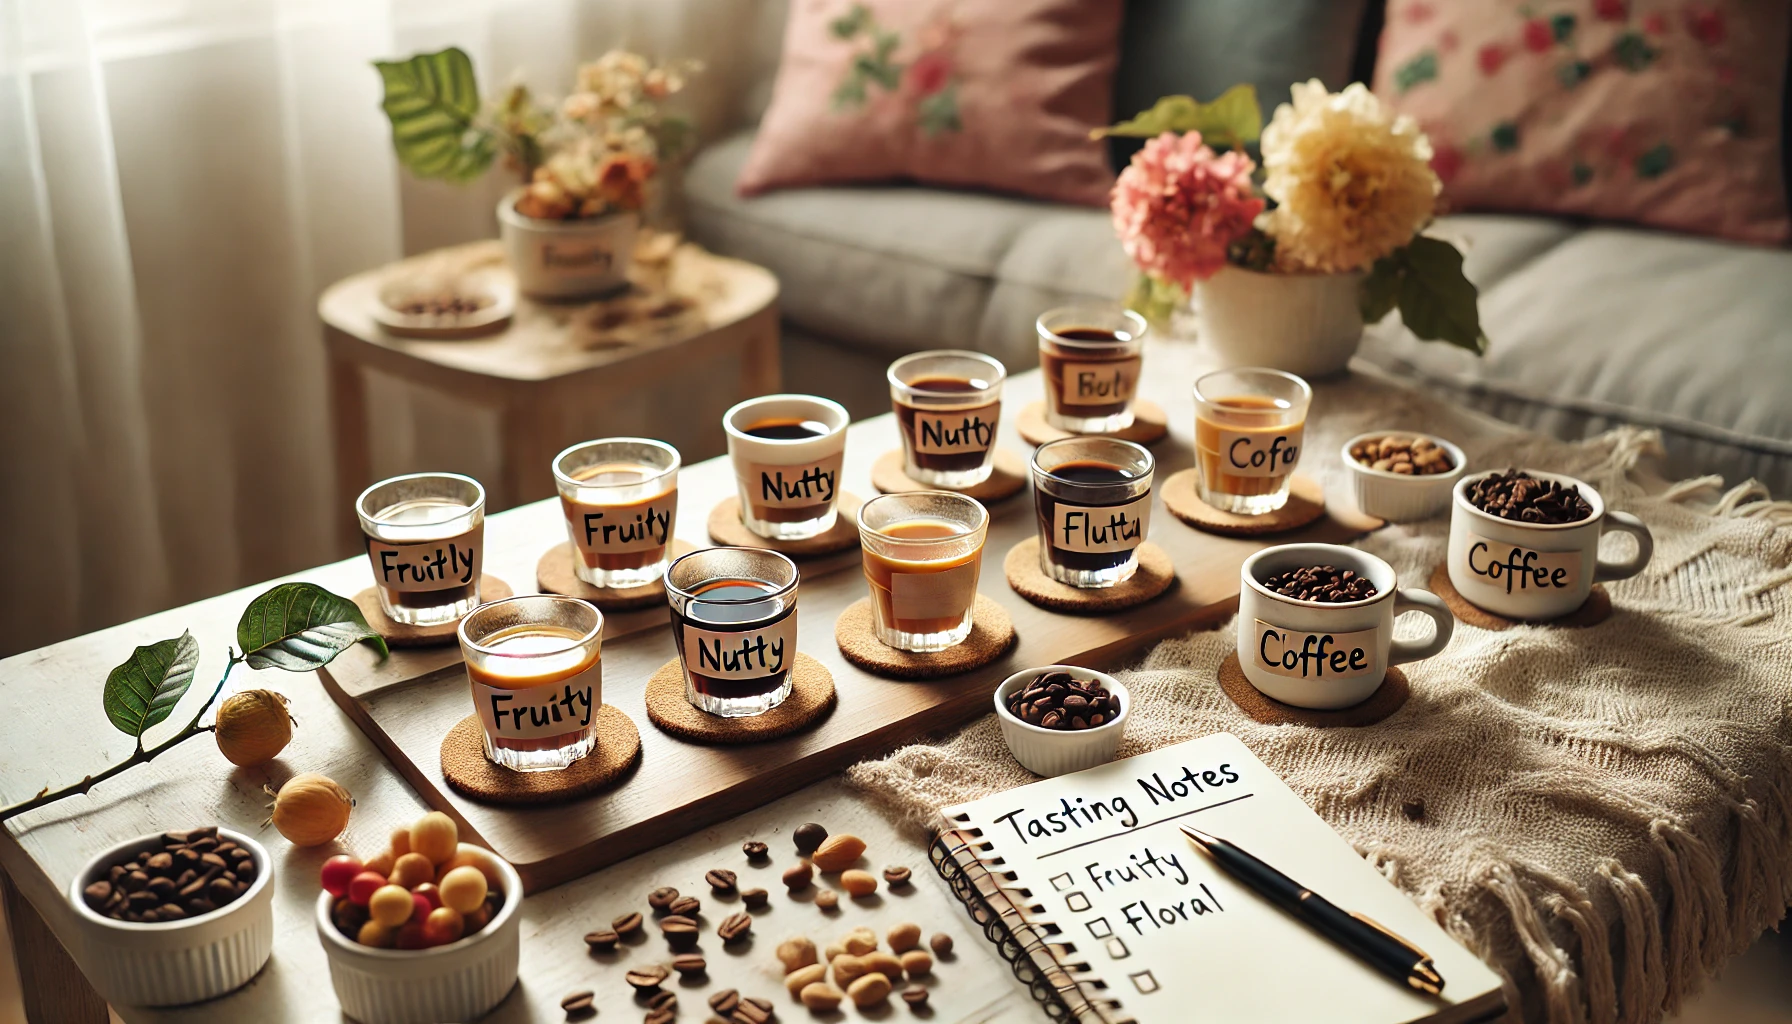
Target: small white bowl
(1050,752)
(170,963)
(1397,497)
(459,981)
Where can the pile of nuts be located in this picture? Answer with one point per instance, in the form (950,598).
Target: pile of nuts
(422,891)
(1407,456)
(1519,496)
(862,973)
(1058,700)
(1326,584)
(192,872)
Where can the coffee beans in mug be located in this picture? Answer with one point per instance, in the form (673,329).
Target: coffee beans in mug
(1324,583)
(1518,495)
(1058,700)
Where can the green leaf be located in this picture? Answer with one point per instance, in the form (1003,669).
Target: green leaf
(432,100)
(143,690)
(1232,121)
(300,627)
(1417,71)
(1380,290)
(1155,300)
(1436,301)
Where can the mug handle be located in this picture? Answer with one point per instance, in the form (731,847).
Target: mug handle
(1624,522)
(1402,651)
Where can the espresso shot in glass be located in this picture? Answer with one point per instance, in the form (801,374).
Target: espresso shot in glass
(734,623)
(425,539)
(1093,497)
(787,452)
(1249,426)
(923,551)
(536,670)
(947,404)
(1091,357)
(620,499)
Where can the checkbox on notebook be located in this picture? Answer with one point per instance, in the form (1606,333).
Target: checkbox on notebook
(1076,901)
(1117,950)
(1145,981)
(1062,882)
(1100,928)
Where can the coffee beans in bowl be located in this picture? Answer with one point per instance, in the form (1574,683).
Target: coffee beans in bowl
(1402,477)
(1520,496)
(1061,718)
(195,872)
(1059,701)
(1326,584)
(1407,456)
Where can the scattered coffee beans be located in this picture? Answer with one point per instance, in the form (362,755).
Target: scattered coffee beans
(626,924)
(735,927)
(678,930)
(755,850)
(685,906)
(721,881)
(725,1001)
(193,872)
(647,979)
(1057,700)
(1520,496)
(896,876)
(602,942)
(755,899)
(915,996)
(1407,456)
(1323,583)
(798,876)
(689,965)
(808,837)
(579,1005)
(660,899)
(941,944)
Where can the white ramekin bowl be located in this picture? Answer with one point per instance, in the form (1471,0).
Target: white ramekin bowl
(170,963)
(1050,752)
(1396,497)
(459,981)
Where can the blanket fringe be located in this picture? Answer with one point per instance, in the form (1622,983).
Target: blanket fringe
(1551,964)
(1645,981)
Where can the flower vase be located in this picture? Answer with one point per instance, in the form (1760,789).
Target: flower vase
(1306,324)
(567,259)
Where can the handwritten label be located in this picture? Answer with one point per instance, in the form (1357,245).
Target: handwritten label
(1520,570)
(620,529)
(427,565)
(538,712)
(1261,453)
(1095,530)
(933,595)
(749,654)
(956,433)
(575,257)
(795,486)
(1099,383)
(1300,655)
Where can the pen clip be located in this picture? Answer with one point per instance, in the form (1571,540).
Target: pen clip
(1423,957)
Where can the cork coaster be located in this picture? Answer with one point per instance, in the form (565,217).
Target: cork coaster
(554,575)
(1156,573)
(1306,503)
(725,527)
(1007,478)
(1388,698)
(1150,424)
(1594,610)
(811,698)
(465,767)
(399,634)
(992,633)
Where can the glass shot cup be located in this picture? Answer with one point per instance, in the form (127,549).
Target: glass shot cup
(536,670)
(620,498)
(787,451)
(734,623)
(425,539)
(923,551)
(947,404)
(1249,423)
(1091,356)
(1093,498)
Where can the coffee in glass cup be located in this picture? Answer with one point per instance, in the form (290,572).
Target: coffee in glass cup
(1249,426)
(1093,499)
(1091,358)
(787,452)
(947,405)
(923,551)
(535,667)
(734,624)
(425,536)
(620,499)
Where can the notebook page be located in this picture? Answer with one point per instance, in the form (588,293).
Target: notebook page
(1172,935)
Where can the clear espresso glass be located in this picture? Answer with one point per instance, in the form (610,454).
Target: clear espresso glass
(734,623)
(1093,499)
(923,551)
(425,541)
(620,498)
(787,452)
(535,666)
(1091,356)
(1249,427)
(947,404)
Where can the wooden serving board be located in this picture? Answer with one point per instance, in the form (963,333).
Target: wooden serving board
(407,703)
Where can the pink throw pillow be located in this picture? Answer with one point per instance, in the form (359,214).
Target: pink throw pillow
(1661,112)
(996,94)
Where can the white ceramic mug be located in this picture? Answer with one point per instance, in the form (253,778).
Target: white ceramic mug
(1536,570)
(789,487)
(1317,655)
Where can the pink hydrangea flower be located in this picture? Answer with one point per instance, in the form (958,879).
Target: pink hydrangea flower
(1178,207)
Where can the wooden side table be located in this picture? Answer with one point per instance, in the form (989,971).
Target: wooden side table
(561,373)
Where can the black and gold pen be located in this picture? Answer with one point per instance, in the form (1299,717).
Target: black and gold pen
(1368,941)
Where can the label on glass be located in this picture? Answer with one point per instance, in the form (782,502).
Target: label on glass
(538,712)
(750,654)
(1100,383)
(933,595)
(1299,655)
(1261,452)
(794,486)
(1520,570)
(429,564)
(960,432)
(1095,530)
(621,529)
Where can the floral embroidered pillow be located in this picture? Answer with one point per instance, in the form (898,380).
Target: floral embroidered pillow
(1661,112)
(996,94)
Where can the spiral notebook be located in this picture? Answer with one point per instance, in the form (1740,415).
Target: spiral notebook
(1109,915)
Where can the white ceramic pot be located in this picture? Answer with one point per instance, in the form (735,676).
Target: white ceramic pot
(1306,324)
(175,962)
(1534,570)
(567,259)
(1317,655)
(1051,752)
(457,982)
(1396,497)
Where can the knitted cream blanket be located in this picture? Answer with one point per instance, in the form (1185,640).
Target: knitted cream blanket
(1602,814)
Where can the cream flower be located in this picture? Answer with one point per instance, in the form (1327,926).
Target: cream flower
(1352,182)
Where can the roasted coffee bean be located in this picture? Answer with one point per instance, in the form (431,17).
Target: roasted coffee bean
(725,1001)
(915,996)
(755,850)
(689,964)
(163,887)
(602,942)
(752,1010)
(200,905)
(97,894)
(721,881)
(1519,496)
(646,979)
(579,1005)
(160,864)
(1058,700)
(755,899)
(1326,584)
(176,837)
(896,876)
(626,924)
(663,1000)
(735,927)
(678,930)
(661,898)
(135,879)
(808,837)
(662,1016)
(685,906)
(202,845)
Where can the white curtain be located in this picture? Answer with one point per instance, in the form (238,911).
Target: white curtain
(179,179)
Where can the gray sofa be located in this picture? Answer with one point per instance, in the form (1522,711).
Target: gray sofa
(1592,325)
